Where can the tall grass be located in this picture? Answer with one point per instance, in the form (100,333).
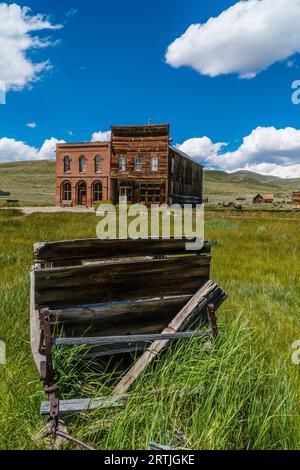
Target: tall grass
(200,396)
(242,393)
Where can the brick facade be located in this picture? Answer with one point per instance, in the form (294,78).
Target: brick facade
(84,182)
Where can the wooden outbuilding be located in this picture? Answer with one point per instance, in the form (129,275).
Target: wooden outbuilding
(263,199)
(296,199)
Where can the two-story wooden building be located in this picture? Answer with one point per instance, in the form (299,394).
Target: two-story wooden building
(138,166)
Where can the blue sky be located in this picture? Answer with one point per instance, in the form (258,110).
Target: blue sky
(109,67)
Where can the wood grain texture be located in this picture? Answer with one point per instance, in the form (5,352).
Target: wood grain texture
(89,249)
(97,283)
(131,339)
(84,404)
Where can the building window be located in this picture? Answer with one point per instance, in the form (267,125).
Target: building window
(154,163)
(122,163)
(138,163)
(97,192)
(67,164)
(66,191)
(82,164)
(98,164)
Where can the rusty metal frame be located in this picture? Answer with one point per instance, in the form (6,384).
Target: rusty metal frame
(47,371)
(212,318)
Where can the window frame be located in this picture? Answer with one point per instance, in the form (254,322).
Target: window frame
(99,192)
(154,158)
(124,160)
(65,159)
(98,161)
(139,166)
(65,191)
(82,169)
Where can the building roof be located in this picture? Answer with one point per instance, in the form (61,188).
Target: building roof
(141,130)
(183,154)
(83,144)
(264,196)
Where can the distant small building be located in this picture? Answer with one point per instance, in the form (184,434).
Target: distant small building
(263,199)
(296,199)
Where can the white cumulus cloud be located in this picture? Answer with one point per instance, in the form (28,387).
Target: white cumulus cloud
(12,150)
(266,150)
(16,39)
(101,136)
(244,39)
(31,125)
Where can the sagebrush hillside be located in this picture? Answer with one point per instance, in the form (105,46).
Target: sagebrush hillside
(34,183)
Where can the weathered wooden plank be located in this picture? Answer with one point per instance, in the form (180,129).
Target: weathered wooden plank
(94,248)
(119,318)
(106,282)
(118,310)
(35,330)
(198,302)
(105,340)
(84,404)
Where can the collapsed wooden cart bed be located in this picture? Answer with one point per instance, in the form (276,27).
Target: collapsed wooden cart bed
(118,297)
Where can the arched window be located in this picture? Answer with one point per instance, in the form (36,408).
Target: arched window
(66,192)
(98,162)
(67,164)
(82,165)
(97,192)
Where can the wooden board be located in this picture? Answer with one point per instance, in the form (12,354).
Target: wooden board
(83,404)
(131,339)
(98,283)
(119,318)
(35,330)
(93,248)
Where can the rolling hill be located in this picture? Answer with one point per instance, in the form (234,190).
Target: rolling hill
(33,183)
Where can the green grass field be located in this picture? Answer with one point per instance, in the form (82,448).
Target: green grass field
(241,393)
(33,183)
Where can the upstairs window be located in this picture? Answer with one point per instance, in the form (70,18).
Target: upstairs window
(138,163)
(122,163)
(82,164)
(67,164)
(154,163)
(98,164)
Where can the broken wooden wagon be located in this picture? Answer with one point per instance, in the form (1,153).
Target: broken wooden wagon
(117,296)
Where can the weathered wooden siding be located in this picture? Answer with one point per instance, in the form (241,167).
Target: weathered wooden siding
(185,179)
(143,141)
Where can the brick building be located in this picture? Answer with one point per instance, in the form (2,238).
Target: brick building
(139,165)
(82,173)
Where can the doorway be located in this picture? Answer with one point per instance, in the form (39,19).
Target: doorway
(81,194)
(125,192)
